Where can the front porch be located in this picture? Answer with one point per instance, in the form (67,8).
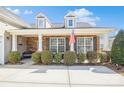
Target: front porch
(30,44)
(57,40)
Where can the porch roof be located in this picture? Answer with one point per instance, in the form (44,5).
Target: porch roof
(62,31)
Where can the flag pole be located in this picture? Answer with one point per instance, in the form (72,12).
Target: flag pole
(72,41)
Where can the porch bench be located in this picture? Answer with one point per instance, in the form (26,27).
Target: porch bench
(27,54)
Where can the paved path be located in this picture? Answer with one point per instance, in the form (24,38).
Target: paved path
(35,75)
(39,75)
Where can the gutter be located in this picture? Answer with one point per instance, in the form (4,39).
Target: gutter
(12,19)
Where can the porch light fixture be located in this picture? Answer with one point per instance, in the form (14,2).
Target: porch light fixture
(7,37)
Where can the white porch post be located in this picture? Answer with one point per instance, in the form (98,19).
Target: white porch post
(39,42)
(106,42)
(72,47)
(14,42)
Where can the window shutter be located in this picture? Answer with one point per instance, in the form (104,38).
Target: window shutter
(94,44)
(75,45)
(47,43)
(67,44)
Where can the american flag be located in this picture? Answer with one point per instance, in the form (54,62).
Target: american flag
(72,38)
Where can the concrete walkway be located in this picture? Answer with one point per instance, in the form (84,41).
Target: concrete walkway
(35,75)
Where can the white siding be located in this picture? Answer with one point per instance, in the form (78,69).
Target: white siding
(1,49)
(5,39)
(5,26)
(48,25)
(7,45)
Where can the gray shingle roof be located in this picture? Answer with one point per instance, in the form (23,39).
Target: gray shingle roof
(57,25)
(83,24)
(79,25)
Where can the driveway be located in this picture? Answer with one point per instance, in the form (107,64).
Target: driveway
(35,75)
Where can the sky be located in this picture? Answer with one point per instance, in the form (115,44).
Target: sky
(97,16)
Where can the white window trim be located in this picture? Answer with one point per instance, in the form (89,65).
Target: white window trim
(84,43)
(57,43)
(50,43)
(73,23)
(38,23)
(77,43)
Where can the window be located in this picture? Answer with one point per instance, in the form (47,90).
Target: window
(57,45)
(101,45)
(80,45)
(89,44)
(40,24)
(70,23)
(53,44)
(84,44)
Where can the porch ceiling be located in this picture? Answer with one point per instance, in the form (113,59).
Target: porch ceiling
(47,32)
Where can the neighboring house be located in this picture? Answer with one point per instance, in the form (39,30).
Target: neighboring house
(17,35)
(103,42)
(111,40)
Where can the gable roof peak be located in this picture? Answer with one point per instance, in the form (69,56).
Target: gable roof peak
(40,15)
(70,14)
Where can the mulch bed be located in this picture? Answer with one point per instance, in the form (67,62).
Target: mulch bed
(19,63)
(48,64)
(119,69)
(77,64)
(87,64)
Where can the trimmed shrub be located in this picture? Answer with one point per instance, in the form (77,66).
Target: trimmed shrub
(92,56)
(117,52)
(108,54)
(81,57)
(58,58)
(69,58)
(103,57)
(46,57)
(14,57)
(36,57)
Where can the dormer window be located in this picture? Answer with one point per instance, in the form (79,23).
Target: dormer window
(41,20)
(70,20)
(41,23)
(70,23)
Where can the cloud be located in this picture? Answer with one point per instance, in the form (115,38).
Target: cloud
(82,12)
(16,11)
(28,12)
(84,15)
